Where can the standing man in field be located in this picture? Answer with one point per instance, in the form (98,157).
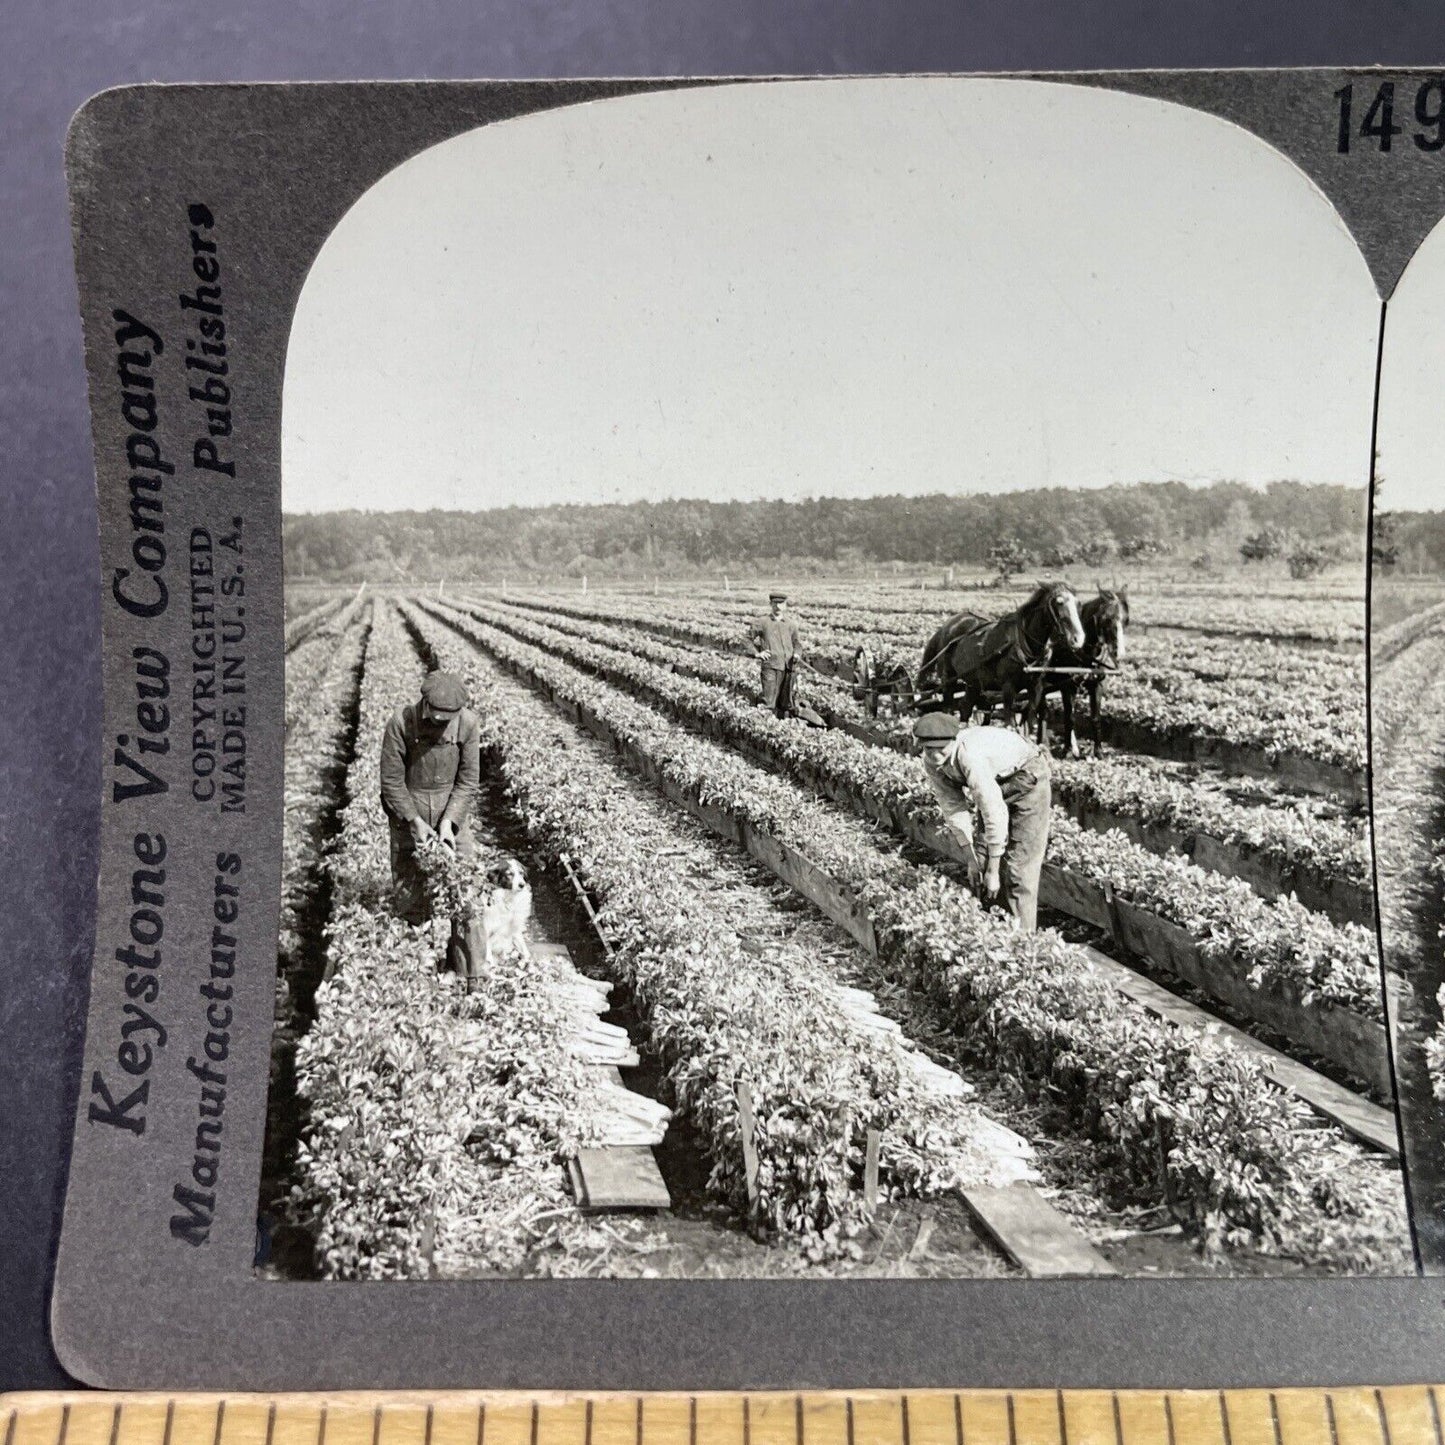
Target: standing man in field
(1004,778)
(430,772)
(778,647)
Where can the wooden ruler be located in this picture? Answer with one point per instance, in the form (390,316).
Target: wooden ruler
(1357,1415)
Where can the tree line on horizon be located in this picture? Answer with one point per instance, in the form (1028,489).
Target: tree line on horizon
(1406,541)
(1200,526)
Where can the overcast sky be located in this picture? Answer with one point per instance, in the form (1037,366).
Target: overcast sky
(1412,385)
(830,288)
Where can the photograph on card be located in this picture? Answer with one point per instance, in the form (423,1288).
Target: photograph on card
(1407,690)
(825,703)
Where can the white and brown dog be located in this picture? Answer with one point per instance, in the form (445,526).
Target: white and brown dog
(508,909)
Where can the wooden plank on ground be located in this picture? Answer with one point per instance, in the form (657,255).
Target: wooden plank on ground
(1368,1122)
(621,1178)
(1032,1233)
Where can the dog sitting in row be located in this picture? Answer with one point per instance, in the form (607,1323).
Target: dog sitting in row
(508,909)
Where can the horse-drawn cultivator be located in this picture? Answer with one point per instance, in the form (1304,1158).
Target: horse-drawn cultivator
(1005,669)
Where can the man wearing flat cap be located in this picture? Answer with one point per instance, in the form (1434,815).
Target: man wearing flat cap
(778,648)
(430,772)
(1004,779)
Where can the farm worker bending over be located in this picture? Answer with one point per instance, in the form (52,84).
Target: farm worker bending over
(430,770)
(777,645)
(1005,778)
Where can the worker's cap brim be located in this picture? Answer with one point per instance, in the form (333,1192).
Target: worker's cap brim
(445,693)
(936,727)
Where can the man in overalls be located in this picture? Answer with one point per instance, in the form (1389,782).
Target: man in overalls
(1005,779)
(430,772)
(777,646)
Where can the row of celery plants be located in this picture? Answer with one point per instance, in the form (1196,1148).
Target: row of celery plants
(305,625)
(436,1126)
(310,674)
(320,681)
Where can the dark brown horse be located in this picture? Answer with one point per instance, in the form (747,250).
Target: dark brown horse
(1105,619)
(993,656)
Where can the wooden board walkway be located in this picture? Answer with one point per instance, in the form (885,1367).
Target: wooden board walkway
(1368,1122)
(1033,1233)
(620,1177)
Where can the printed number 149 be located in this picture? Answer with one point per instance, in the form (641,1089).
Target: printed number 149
(1378,121)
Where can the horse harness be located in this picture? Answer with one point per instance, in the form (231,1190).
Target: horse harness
(1013,641)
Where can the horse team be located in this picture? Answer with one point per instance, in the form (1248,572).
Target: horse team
(1049,644)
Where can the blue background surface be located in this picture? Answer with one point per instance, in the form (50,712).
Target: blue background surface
(52,56)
